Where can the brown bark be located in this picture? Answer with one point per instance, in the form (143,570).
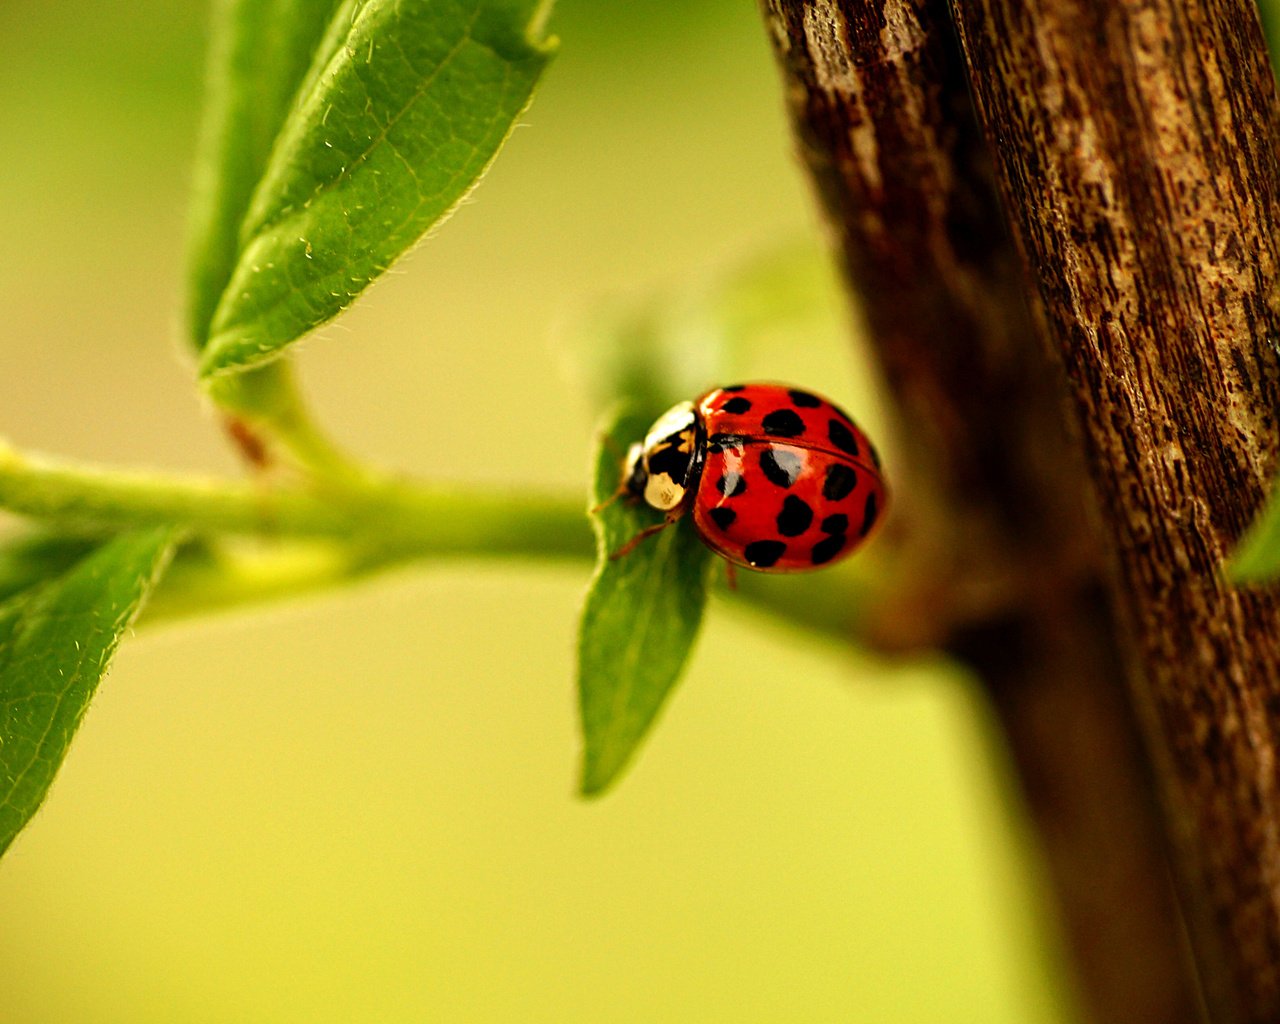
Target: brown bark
(1135,143)
(996,538)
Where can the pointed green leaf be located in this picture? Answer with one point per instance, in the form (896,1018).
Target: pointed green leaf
(260,52)
(393,132)
(55,643)
(640,620)
(1257,559)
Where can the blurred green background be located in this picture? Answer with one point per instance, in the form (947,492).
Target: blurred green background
(359,808)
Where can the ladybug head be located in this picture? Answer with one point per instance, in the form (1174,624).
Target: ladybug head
(661,469)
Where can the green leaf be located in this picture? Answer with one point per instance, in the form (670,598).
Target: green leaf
(33,558)
(1257,558)
(399,125)
(260,52)
(55,643)
(641,617)
(1269,12)
(780,307)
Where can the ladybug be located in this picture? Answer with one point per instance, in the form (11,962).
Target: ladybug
(777,479)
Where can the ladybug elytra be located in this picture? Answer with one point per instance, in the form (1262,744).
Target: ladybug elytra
(777,479)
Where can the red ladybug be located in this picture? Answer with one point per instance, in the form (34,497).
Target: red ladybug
(778,479)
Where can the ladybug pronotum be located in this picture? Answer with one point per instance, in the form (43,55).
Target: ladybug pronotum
(777,479)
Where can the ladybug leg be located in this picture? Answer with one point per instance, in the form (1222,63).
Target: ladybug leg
(634,542)
(731,574)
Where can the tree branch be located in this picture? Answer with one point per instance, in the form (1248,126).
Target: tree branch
(1136,146)
(999,559)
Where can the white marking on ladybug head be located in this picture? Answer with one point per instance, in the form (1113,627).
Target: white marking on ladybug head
(668,457)
(662,492)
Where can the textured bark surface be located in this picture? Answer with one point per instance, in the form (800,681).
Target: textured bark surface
(1136,148)
(1004,567)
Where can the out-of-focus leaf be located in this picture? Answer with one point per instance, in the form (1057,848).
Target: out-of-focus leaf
(390,135)
(1269,12)
(32,558)
(1257,559)
(640,620)
(650,354)
(771,317)
(55,643)
(260,52)
(212,575)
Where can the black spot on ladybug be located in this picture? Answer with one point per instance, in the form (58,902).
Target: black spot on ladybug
(842,437)
(869,514)
(737,406)
(764,553)
(840,481)
(719,442)
(804,400)
(838,523)
(735,387)
(731,484)
(827,549)
(781,467)
(782,423)
(723,517)
(795,517)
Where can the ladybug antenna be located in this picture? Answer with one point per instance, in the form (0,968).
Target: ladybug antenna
(611,445)
(634,542)
(595,510)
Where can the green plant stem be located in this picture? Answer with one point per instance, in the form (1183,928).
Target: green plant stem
(269,401)
(323,536)
(391,517)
